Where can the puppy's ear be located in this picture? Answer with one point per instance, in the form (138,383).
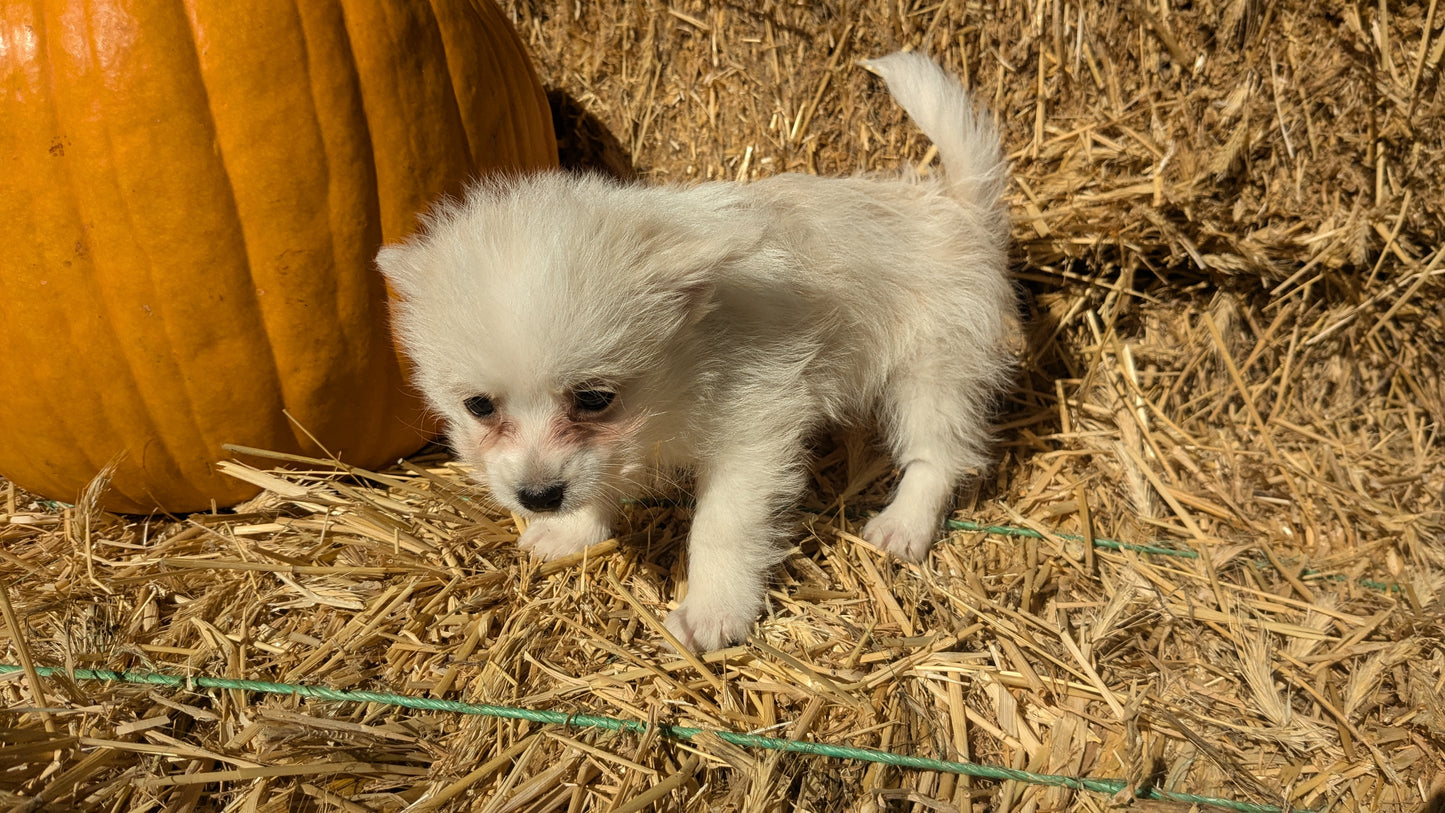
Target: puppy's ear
(398,264)
(691,288)
(687,263)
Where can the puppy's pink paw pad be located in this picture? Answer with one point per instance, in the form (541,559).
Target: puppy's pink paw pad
(904,538)
(703,629)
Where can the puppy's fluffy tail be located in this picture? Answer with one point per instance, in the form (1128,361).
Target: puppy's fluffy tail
(967,139)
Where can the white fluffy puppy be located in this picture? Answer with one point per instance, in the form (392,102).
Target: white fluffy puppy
(576,333)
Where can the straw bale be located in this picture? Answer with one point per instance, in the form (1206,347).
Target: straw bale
(1228,216)
(1219,137)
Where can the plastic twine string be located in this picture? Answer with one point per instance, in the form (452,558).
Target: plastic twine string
(676,732)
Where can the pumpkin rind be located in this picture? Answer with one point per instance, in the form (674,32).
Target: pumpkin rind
(190,200)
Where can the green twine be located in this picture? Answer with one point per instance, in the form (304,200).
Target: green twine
(1109,786)
(1029,533)
(1183,553)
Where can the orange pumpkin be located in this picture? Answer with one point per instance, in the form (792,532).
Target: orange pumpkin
(191,195)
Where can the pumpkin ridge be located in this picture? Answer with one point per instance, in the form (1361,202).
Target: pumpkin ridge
(163,429)
(137,401)
(307,412)
(57,413)
(522,136)
(141,401)
(31,345)
(264,370)
(526,131)
(453,92)
(354,137)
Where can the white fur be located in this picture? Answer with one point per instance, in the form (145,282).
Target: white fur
(731,321)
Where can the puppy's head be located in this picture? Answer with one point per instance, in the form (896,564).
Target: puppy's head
(549,319)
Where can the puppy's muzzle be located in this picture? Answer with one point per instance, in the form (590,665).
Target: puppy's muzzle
(542,499)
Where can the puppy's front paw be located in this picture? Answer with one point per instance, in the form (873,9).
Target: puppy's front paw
(704,625)
(896,532)
(553,537)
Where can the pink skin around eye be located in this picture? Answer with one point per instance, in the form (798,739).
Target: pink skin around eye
(568,433)
(495,434)
(564,435)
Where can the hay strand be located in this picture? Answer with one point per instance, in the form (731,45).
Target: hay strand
(1208,561)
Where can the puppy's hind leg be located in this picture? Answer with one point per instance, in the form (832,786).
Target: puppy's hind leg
(937,430)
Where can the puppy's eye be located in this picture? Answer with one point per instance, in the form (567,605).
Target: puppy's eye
(587,401)
(480,406)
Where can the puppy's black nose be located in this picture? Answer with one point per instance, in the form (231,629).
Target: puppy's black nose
(541,498)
